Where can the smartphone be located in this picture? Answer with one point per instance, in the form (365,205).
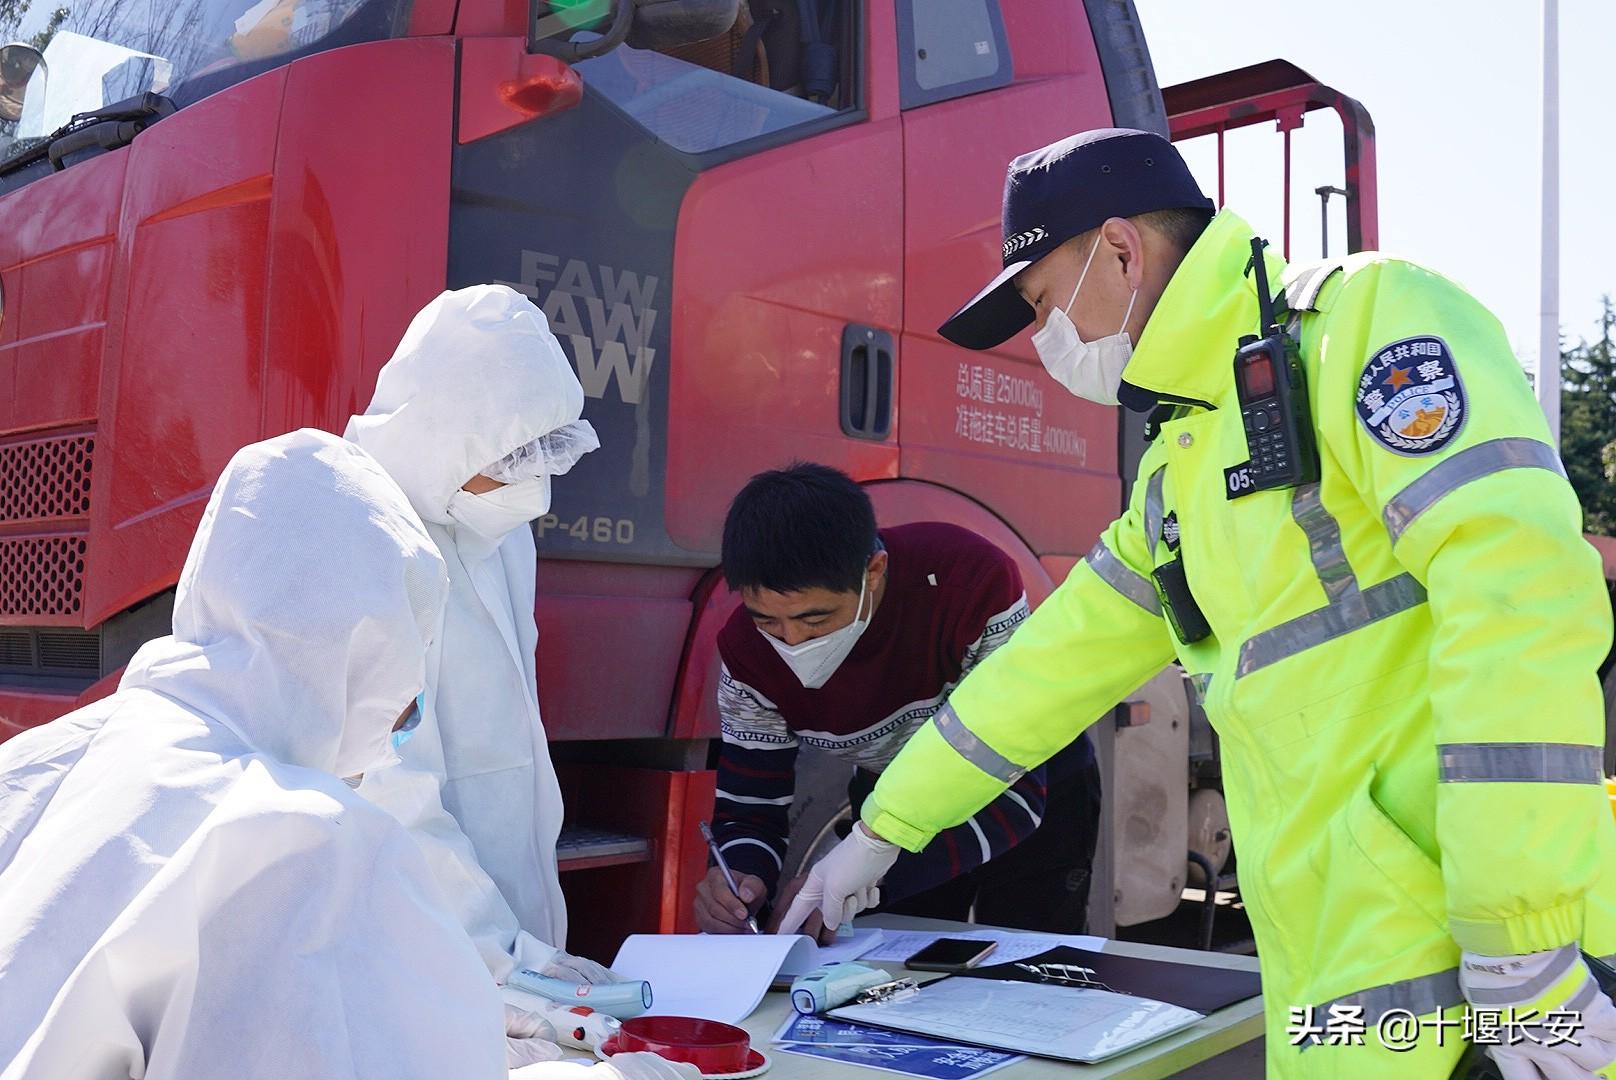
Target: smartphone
(950,954)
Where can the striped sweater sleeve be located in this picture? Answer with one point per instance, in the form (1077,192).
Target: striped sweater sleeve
(757,762)
(1003,823)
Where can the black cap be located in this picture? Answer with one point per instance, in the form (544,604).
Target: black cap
(1062,191)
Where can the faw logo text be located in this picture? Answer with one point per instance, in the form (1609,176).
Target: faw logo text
(1022,240)
(606,315)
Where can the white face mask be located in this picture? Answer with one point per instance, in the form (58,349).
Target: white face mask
(492,516)
(1089,369)
(816,660)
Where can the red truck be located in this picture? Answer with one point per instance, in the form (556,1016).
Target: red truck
(744,220)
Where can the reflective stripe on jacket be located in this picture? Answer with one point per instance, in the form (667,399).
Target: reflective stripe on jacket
(1403,661)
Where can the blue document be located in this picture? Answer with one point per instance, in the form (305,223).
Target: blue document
(889,1051)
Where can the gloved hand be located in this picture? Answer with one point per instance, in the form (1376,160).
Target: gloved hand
(620,1067)
(815,926)
(845,882)
(1533,988)
(645,1067)
(576,969)
(529,1038)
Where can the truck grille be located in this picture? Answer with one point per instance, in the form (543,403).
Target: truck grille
(46,478)
(64,653)
(16,648)
(68,658)
(44,501)
(42,576)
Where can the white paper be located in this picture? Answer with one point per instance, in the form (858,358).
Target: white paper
(1031,1018)
(724,976)
(856,946)
(898,945)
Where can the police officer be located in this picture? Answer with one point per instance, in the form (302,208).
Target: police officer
(1399,656)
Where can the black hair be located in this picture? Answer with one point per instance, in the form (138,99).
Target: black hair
(805,526)
(1182,227)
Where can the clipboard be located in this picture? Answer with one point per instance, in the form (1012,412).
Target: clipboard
(1042,1019)
(1191,986)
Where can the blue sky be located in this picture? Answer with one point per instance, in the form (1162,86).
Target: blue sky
(1454,89)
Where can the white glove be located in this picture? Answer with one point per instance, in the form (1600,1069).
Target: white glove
(843,883)
(529,1038)
(644,1067)
(576,969)
(620,1067)
(1533,988)
(547,960)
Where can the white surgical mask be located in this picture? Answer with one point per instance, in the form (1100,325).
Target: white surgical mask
(1089,369)
(816,660)
(492,516)
(404,734)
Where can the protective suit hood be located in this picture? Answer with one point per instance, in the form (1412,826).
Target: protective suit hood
(177,855)
(307,657)
(477,375)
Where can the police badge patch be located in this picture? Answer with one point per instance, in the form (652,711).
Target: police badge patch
(1410,397)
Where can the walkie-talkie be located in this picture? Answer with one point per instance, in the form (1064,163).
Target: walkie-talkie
(1272,389)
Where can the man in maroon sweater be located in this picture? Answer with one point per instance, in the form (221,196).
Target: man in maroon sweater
(848,639)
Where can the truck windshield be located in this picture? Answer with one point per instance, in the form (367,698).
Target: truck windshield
(691,107)
(100,52)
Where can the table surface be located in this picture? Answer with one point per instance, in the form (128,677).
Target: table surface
(1223,1030)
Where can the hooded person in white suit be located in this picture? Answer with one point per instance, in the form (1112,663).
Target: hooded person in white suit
(186,887)
(474,414)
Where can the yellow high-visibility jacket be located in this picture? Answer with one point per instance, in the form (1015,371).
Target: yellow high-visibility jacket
(1402,667)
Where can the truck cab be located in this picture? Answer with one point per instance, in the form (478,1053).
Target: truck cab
(744,220)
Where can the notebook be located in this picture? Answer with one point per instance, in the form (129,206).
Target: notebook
(723,977)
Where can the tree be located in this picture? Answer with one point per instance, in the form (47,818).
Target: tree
(57,18)
(11,15)
(1588,422)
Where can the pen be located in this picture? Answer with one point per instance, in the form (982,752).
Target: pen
(729,878)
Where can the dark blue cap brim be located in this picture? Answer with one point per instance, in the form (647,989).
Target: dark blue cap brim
(994,315)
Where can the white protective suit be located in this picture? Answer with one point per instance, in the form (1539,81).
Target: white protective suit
(477,376)
(187,889)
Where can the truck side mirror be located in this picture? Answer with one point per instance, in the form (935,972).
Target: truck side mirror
(18,62)
(644,24)
(552,23)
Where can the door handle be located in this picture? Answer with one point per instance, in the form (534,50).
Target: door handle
(868,372)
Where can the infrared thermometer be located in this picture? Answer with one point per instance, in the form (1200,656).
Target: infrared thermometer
(834,985)
(622,1000)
